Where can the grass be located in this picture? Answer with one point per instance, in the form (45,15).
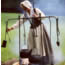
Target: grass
(63,42)
(6,54)
(62,63)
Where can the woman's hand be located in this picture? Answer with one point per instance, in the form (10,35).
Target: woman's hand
(37,17)
(9,29)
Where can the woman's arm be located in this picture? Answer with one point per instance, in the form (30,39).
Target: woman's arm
(16,25)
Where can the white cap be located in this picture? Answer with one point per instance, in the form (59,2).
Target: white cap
(27,4)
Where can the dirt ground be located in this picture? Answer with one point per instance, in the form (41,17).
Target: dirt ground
(9,62)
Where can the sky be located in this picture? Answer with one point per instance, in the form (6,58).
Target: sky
(51,7)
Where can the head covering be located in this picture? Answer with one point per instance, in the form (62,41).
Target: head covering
(27,4)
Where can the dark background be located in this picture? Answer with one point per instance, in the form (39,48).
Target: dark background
(12,6)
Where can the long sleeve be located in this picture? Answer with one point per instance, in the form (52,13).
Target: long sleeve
(16,25)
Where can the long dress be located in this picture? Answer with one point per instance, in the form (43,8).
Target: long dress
(39,41)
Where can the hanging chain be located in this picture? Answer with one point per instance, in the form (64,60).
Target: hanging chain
(58,32)
(57,29)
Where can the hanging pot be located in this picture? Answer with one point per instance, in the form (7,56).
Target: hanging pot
(4,43)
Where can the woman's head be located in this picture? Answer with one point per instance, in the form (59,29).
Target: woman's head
(26,5)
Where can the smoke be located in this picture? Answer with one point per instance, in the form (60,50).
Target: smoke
(15,47)
(57,51)
(58,56)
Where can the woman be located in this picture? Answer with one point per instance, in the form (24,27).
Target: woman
(38,39)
